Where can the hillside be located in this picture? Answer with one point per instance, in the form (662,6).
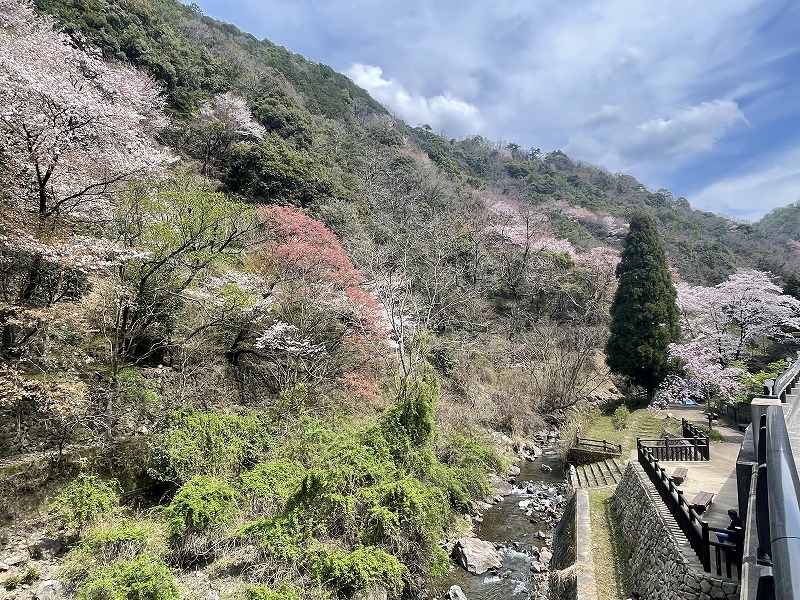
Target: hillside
(257,328)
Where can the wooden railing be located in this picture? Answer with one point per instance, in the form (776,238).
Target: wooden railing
(597,445)
(675,448)
(696,530)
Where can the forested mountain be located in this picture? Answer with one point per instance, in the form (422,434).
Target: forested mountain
(194,57)
(256,327)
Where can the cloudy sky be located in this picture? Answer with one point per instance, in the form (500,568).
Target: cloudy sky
(697,96)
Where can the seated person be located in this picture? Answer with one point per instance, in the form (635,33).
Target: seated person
(732,535)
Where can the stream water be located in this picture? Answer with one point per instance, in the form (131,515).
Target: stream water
(518,536)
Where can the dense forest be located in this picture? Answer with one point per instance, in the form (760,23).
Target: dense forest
(255,326)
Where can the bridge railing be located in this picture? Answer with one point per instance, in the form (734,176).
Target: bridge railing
(677,448)
(784,381)
(776,507)
(597,445)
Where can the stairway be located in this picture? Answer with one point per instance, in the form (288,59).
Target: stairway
(599,474)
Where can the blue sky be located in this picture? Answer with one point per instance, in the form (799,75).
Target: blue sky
(700,97)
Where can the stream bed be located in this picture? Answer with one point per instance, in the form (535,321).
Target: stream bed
(519,526)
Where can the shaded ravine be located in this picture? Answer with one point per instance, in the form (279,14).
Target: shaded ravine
(517,536)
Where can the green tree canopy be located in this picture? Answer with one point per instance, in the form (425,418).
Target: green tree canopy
(644,315)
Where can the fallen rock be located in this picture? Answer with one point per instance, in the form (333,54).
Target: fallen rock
(476,556)
(501,486)
(547,469)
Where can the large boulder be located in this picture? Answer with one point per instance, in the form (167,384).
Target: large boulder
(476,556)
(500,486)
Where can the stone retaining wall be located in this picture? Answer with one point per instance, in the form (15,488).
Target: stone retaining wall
(659,568)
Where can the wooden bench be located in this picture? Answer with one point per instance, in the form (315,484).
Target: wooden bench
(679,474)
(701,501)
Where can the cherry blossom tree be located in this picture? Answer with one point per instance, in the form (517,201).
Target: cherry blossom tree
(730,318)
(72,125)
(219,122)
(704,376)
(325,316)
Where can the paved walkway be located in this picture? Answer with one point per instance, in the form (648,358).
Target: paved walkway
(717,475)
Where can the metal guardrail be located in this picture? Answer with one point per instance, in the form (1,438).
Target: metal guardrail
(784,381)
(778,527)
(697,531)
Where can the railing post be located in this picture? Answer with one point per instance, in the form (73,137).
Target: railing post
(706,548)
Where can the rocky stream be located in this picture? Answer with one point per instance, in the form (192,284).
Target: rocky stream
(508,557)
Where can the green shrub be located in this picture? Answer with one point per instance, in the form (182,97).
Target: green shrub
(362,569)
(202,503)
(110,542)
(273,482)
(196,443)
(281,591)
(31,575)
(84,499)
(146,577)
(283,537)
(620,417)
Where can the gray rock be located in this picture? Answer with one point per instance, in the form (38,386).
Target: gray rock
(374,594)
(501,486)
(455,593)
(476,556)
(14,560)
(50,589)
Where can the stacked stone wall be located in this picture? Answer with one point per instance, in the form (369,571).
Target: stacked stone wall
(658,566)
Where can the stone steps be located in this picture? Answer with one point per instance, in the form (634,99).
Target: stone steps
(599,474)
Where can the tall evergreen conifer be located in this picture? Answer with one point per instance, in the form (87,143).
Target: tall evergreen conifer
(644,315)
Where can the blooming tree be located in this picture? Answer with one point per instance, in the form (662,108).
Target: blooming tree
(71,126)
(703,376)
(219,122)
(314,278)
(730,317)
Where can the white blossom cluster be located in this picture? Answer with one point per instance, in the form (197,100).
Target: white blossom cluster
(283,337)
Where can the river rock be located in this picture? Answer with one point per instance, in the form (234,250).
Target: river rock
(546,469)
(476,556)
(455,593)
(513,470)
(501,486)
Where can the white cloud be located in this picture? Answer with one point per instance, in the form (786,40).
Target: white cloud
(681,134)
(442,111)
(656,89)
(749,196)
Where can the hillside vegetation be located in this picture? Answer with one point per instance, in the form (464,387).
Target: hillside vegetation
(257,328)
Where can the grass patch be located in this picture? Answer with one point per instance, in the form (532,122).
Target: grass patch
(609,552)
(641,422)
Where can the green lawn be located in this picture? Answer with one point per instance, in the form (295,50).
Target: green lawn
(609,553)
(642,423)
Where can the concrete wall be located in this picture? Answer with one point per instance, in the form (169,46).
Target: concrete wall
(657,563)
(572,575)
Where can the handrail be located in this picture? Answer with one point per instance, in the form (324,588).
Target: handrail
(786,379)
(696,530)
(784,507)
(604,444)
